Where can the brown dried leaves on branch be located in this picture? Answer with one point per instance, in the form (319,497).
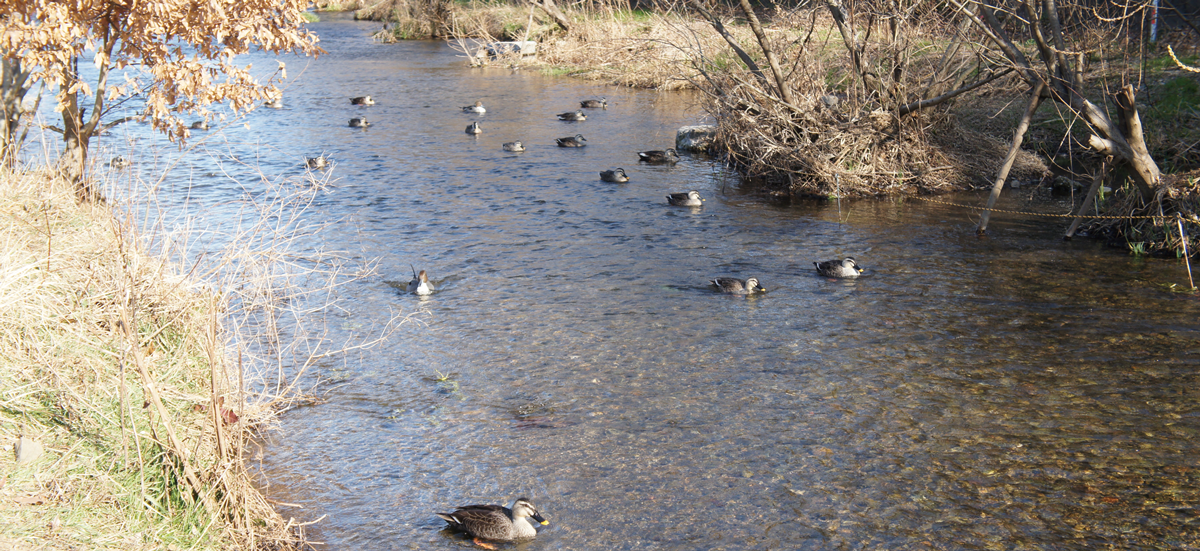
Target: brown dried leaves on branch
(187,49)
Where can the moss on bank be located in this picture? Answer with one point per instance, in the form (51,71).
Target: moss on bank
(112,362)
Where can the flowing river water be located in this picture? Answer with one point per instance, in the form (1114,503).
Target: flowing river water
(1013,392)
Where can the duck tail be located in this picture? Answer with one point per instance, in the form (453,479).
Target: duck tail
(449,518)
(410,266)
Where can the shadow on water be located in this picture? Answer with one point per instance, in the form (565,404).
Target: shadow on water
(1012,392)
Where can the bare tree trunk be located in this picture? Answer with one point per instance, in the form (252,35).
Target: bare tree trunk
(1035,99)
(73,162)
(14,84)
(784,92)
(1089,199)
(870,80)
(729,39)
(552,10)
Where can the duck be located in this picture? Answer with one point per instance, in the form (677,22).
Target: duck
(420,284)
(845,267)
(738,286)
(515,147)
(362,100)
(617,176)
(359,122)
(689,199)
(668,156)
(594,103)
(118,162)
(572,141)
(316,162)
(495,522)
(576,116)
(275,103)
(474,128)
(477,108)
(200,125)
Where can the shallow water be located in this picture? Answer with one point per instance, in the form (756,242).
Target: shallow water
(1011,392)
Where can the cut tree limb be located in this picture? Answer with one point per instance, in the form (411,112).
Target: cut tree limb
(1035,99)
(552,10)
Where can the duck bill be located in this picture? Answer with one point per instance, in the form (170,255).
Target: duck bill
(540,520)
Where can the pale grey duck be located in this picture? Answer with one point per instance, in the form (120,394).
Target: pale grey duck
(738,286)
(317,162)
(601,103)
(276,103)
(668,156)
(572,141)
(515,147)
(846,267)
(496,522)
(477,108)
(689,199)
(576,116)
(617,176)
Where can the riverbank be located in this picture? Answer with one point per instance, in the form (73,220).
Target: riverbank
(129,420)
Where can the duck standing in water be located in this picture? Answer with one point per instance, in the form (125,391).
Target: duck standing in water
(362,100)
(659,157)
(738,286)
(420,284)
(477,108)
(572,141)
(495,522)
(576,116)
(846,267)
(689,199)
(474,128)
(601,103)
(515,147)
(359,122)
(617,176)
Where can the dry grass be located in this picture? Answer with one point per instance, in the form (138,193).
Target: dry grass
(143,384)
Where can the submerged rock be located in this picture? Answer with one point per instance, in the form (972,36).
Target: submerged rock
(697,138)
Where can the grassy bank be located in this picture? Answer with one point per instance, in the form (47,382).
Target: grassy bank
(115,377)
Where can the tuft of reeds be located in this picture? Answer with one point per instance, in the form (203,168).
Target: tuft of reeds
(145,371)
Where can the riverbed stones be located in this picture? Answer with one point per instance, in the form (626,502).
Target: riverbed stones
(696,138)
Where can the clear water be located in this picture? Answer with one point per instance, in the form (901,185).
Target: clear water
(1007,393)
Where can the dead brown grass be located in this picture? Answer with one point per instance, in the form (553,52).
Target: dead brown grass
(141,383)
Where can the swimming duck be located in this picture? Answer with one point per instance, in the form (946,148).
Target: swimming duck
(316,162)
(276,103)
(477,108)
(617,176)
(846,267)
(593,103)
(420,283)
(668,156)
(118,162)
(576,116)
(495,522)
(474,128)
(689,199)
(738,286)
(359,122)
(572,141)
(200,125)
(362,100)
(515,147)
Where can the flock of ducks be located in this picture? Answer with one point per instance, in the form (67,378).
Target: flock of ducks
(420,285)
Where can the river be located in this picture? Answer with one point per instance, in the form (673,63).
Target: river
(1013,392)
